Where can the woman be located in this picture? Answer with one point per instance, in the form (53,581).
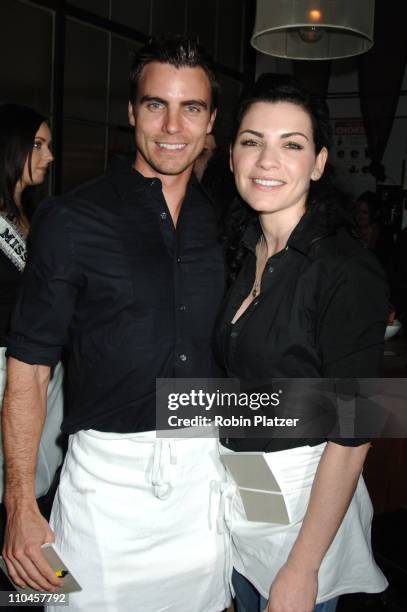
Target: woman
(25,155)
(366,211)
(309,302)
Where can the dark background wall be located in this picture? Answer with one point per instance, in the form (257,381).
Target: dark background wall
(70,59)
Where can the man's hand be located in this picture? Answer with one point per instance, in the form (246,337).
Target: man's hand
(26,531)
(293,590)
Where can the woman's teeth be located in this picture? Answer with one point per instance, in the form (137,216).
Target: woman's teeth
(268,183)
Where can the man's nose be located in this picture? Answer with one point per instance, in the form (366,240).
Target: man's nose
(172,123)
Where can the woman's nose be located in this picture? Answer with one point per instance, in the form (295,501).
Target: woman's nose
(268,158)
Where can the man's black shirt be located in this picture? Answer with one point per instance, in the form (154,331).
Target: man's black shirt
(133,298)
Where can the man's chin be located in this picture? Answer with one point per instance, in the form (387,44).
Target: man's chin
(172,169)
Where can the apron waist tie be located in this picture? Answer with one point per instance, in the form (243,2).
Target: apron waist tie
(224,523)
(164,457)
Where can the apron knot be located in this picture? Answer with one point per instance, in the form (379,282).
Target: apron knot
(165,455)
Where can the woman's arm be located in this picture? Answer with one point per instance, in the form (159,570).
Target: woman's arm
(295,587)
(351,322)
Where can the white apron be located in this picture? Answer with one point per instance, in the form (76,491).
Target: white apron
(260,549)
(136,520)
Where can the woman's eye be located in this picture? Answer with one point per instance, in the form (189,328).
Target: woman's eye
(293,145)
(249,143)
(37,145)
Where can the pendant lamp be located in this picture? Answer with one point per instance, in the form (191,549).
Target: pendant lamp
(313,29)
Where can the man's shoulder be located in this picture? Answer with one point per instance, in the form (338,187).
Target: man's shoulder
(96,192)
(57,212)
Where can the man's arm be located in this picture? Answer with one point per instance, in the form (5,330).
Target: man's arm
(296,584)
(24,412)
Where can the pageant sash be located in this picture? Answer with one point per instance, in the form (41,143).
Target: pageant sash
(12,243)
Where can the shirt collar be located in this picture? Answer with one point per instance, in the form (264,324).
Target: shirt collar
(306,233)
(127,180)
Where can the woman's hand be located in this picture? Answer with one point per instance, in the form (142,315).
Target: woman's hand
(295,586)
(294,590)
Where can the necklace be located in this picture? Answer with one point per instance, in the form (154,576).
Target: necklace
(261,258)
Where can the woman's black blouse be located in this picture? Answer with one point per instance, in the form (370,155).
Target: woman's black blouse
(321,313)
(10,279)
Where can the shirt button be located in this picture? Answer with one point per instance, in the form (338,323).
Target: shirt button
(178,259)
(270,269)
(182,307)
(183,357)
(163,216)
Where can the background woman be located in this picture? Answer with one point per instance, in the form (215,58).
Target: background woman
(309,302)
(366,212)
(25,155)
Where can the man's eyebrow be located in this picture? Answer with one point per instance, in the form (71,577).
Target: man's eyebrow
(289,134)
(198,102)
(152,99)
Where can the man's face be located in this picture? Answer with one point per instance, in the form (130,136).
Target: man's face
(171,117)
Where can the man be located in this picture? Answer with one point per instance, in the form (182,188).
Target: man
(126,271)
(207,153)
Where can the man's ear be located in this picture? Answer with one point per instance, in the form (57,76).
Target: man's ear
(211,121)
(130,111)
(230,159)
(319,164)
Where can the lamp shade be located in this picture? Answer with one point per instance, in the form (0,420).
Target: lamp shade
(313,29)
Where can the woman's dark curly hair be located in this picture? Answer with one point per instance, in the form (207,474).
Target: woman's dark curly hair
(325,201)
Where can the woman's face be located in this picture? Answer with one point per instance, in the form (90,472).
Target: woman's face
(40,159)
(362,213)
(273,157)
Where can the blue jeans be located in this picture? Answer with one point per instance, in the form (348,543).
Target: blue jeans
(248,599)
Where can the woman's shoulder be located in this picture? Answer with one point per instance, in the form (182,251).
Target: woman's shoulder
(342,260)
(340,247)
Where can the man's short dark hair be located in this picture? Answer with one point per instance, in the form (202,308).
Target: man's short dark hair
(178,51)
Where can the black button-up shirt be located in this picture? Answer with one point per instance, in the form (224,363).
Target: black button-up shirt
(321,313)
(133,298)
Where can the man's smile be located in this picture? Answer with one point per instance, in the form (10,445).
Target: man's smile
(171,146)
